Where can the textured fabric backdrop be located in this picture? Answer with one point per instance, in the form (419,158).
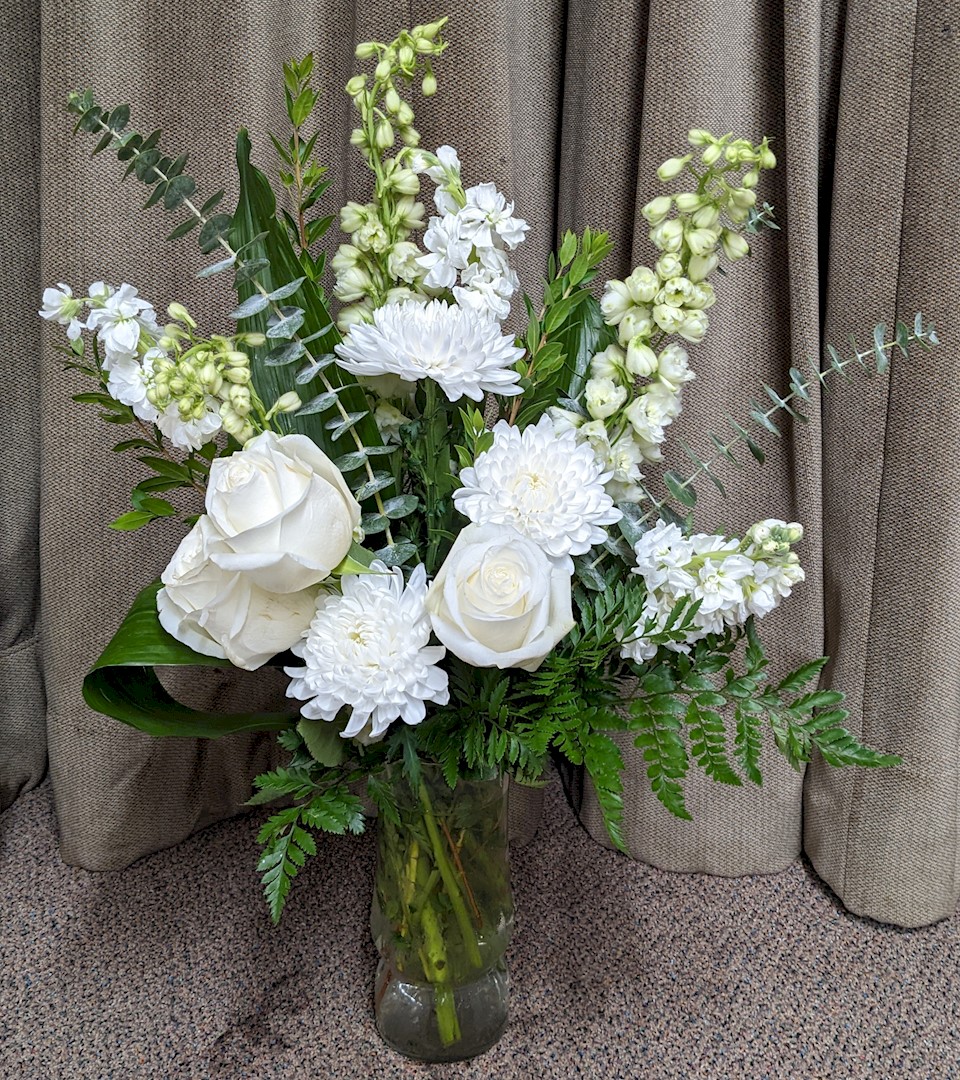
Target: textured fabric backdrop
(569,106)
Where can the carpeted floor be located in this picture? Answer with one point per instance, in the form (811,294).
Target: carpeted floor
(171,969)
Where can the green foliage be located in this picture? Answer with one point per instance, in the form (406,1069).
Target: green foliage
(682,488)
(284,836)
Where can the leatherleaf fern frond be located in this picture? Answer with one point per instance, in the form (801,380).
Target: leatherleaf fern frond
(681,702)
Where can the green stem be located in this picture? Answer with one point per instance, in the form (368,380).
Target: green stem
(442,863)
(434,425)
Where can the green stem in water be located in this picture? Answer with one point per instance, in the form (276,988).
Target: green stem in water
(442,863)
(435,955)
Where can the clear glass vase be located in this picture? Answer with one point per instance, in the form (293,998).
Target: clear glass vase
(442,916)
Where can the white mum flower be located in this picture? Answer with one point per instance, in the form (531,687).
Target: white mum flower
(368,650)
(460,349)
(547,486)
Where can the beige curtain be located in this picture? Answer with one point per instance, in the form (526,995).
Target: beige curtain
(569,105)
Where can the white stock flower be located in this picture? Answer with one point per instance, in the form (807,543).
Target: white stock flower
(662,554)
(192,433)
(487,219)
(402,262)
(462,350)
(486,290)
(447,252)
(499,600)
(119,320)
(285,511)
(127,382)
(223,614)
(62,307)
(621,460)
(368,650)
(547,486)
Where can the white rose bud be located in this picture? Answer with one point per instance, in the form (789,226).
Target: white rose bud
(615,303)
(693,327)
(734,245)
(702,266)
(642,285)
(673,167)
(657,209)
(285,510)
(603,397)
(641,359)
(499,600)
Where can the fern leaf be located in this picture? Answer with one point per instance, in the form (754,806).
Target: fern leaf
(747,742)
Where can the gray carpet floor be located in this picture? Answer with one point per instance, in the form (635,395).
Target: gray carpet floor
(171,969)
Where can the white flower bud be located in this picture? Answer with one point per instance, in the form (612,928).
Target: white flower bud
(677,292)
(177,385)
(358,137)
(669,266)
(657,209)
(351,316)
(694,326)
(641,359)
(743,198)
(400,293)
(239,398)
(750,179)
(409,136)
(734,245)
(712,154)
(642,285)
(346,258)
(383,69)
(254,340)
(405,182)
(706,217)
(402,262)
(288,402)
(702,266)
(638,321)
(668,318)
(603,397)
(383,135)
(239,376)
(392,99)
(353,284)
(236,358)
(180,313)
(767,160)
(409,214)
(668,235)
(407,57)
(608,364)
(673,167)
(699,137)
(702,241)
(429,85)
(615,302)
(688,201)
(564,419)
(353,215)
(356,86)
(365,50)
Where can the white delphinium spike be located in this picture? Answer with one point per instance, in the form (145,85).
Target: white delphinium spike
(368,650)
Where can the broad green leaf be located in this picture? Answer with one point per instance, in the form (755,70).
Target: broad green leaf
(124,685)
(323,741)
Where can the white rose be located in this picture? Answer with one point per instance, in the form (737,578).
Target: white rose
(608,364)
(499,600)
(284,510)
(224,614)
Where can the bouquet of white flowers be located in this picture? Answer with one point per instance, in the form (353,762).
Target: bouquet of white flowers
(444,532)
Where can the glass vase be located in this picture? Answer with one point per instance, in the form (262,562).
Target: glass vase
(442,916)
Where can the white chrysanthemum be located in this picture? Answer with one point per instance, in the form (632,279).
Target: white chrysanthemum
(547,486)
(368,650)
(460,349)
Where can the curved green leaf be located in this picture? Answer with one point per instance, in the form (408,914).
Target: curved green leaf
(123,684)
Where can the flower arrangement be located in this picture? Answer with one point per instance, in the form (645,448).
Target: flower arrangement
(444,531)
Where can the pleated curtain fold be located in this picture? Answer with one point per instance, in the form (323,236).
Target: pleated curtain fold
(569,106)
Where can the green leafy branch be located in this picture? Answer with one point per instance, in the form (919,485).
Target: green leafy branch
(561,339)
(302,176)
(282,329)
(876,359)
